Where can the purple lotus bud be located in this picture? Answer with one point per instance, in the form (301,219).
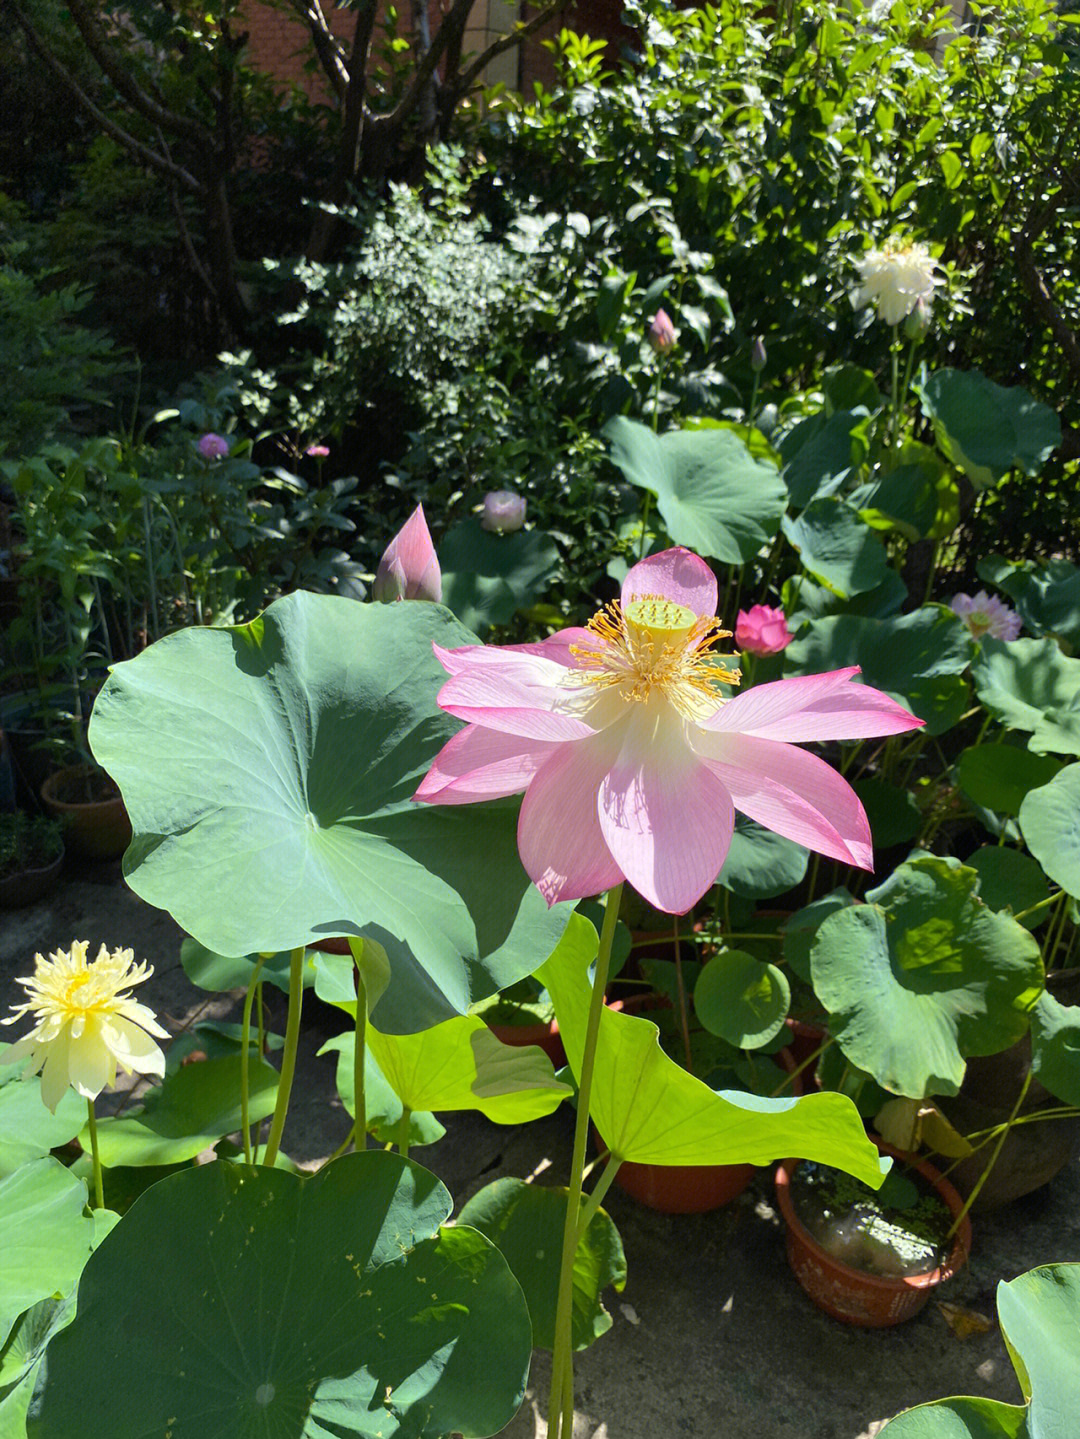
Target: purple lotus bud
(504,511)
(662,334)
(409,570)
(212,447)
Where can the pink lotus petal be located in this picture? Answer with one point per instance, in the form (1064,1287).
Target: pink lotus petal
(666,818)
(813,707)
(555,648)
(676,575)
(518,696)
(794,793)
(479,764)
(559,836)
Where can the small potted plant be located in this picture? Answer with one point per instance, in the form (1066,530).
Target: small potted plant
(31,855)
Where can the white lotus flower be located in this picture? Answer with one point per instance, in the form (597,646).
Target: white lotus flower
(895,278)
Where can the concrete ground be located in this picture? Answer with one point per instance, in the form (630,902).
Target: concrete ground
(712,1338)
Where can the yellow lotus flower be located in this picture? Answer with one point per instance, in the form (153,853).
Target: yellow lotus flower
(86,1023)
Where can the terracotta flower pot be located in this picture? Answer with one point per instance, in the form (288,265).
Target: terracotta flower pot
(867,1300)
(546,1036)
(805,1039)
(30,885)
(95,829)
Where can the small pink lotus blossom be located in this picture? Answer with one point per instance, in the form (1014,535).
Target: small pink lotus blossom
(212,447)
(987,615)
(662,334)
(762,630)
(504,511)
(632,758)
(409,570)
(317,452)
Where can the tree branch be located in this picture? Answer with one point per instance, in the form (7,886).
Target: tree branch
(126,86)
(521,31)
(327,47)
(452,27)
(144,153)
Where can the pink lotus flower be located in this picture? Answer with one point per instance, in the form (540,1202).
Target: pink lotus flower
(409,570)
(317,452)
(662,334)
(762,630)
(633,761)
(212,447)
(987,615)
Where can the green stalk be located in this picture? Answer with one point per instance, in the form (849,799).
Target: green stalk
(245,1034)
(359,1130)
(596,1198)
(99,1185)
(806,1063)
(562,1357)
(985,1175)
(684,1017)
(403,1131)
(288,1056)
(1034,908)
(894,417)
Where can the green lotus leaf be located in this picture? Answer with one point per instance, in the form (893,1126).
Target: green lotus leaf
(27,1129)
(998,776)
(801,929)
(1055,1047)
(740,999)
(1050,824)
(188,1112)
(269,771)
(917,658)
(1046,593)
(21,1359)
(44,1238)
(459,1064)
(526,1222)
(651,1111)
(761,864)
(221,972)
(820,452)
(838,548)
(924,975)
(919,497)
(1040,1319)
(713,495)
(1031,685)
(987,429)
(1011,881)
(804,600)
(294,1307)
(893,814)
(335,974)
(383,1109)
(487,577)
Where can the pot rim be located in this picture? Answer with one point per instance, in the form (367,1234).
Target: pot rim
(954,1261)
(57,776)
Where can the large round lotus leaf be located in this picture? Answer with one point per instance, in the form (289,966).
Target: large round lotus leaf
(820,452)
(383,1110)
(1010,880)
(293,1308)
(221,972)
(650,1110)
(923,976)
(713,495)
(1055,1047)
(740,999)
(838,548)
(1050,824)
(1031,685)
(269,771)
(1040,1321)
(986,429)
(801,929)
(892,812)
(526,1222)
(998,776)
(27,1128)
(486,577)
(917,658)
(760,863)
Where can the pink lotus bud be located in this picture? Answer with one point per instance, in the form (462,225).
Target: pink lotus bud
(758,358)
(762,630)
(503,511)
(213,447)
(409,570)
(317,452)
(662,335)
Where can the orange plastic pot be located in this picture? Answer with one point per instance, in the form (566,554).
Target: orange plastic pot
(867,1300)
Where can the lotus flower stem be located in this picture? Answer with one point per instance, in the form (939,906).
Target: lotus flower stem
(262,1055)
(793,1074)
(288,1056)
(1042,904)
(562,1359)
(359,1131)
(596,1198)
(245,1083)
(894,416)
(985,1175)
(403,1131)
(99,1186)
(684,1019)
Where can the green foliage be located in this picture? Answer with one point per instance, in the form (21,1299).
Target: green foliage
(28,842)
